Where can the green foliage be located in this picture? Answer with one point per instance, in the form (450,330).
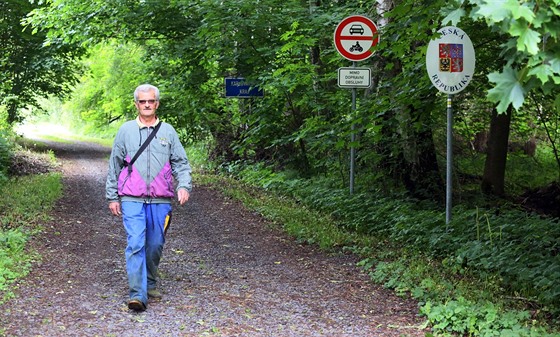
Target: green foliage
(478,275)
(104,95)
(468,277)
(24,206)
(481,243)
(27,68)
(522,249)
(13,263)
(6,150)
(464,317)
(192,47)
(508,87)
(7,146)
(530,32)
(304,122)
(521,172)
(198,156)
(520,176)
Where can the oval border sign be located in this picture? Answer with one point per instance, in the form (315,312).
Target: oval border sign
(450,60)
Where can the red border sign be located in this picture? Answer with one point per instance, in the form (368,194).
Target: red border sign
(355,37)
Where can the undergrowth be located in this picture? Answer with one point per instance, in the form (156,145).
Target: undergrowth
(487,273)
(24,206)
(6,150)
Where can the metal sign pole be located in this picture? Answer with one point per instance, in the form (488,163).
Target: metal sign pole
(355,48)
(449,188)
(352,139)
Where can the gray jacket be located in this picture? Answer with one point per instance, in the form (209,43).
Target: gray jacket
(152,174)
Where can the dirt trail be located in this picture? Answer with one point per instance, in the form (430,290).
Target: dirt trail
(225,272)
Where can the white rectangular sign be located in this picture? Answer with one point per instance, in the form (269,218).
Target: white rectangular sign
(354,77)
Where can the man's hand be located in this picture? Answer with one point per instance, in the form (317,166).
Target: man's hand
(115,207)
(182,196)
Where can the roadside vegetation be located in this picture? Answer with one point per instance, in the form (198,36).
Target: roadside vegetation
(468,276)
(492,271)
(29,187)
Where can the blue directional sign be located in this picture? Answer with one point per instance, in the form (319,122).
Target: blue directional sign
(239,87)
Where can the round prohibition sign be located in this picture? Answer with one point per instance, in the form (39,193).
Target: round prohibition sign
(355,37)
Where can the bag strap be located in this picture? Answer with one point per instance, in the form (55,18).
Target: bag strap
(143,147)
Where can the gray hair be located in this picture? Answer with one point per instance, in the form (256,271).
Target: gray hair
(146,88)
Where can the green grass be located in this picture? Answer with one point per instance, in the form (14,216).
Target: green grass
(198,157)
(24,207)
(34,145)
(520,172)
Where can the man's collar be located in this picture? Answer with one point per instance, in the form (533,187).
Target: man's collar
(142,125)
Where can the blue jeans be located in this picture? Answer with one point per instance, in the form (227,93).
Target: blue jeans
(145,239)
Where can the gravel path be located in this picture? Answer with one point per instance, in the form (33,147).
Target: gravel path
(225,272)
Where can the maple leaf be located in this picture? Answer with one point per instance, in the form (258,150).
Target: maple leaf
(528,38)
(495,11)
(453,16)
(508,89)
(542,72)
(520,10)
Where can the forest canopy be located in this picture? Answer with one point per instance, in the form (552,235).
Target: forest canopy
(305,122)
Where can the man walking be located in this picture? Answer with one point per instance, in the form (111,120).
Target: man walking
(140,187)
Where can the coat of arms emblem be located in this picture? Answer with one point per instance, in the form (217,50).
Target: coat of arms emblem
(451,57)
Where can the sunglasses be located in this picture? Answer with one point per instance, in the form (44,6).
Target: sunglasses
(149,101)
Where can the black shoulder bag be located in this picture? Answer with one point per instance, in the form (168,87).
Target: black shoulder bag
(143,147)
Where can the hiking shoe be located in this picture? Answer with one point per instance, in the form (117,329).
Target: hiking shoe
(136,305)
(154,293)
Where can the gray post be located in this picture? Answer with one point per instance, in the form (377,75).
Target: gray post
(449,188)
(352,139)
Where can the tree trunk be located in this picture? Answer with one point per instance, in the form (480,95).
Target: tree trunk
(13,115)
(496,157)
(420,172)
